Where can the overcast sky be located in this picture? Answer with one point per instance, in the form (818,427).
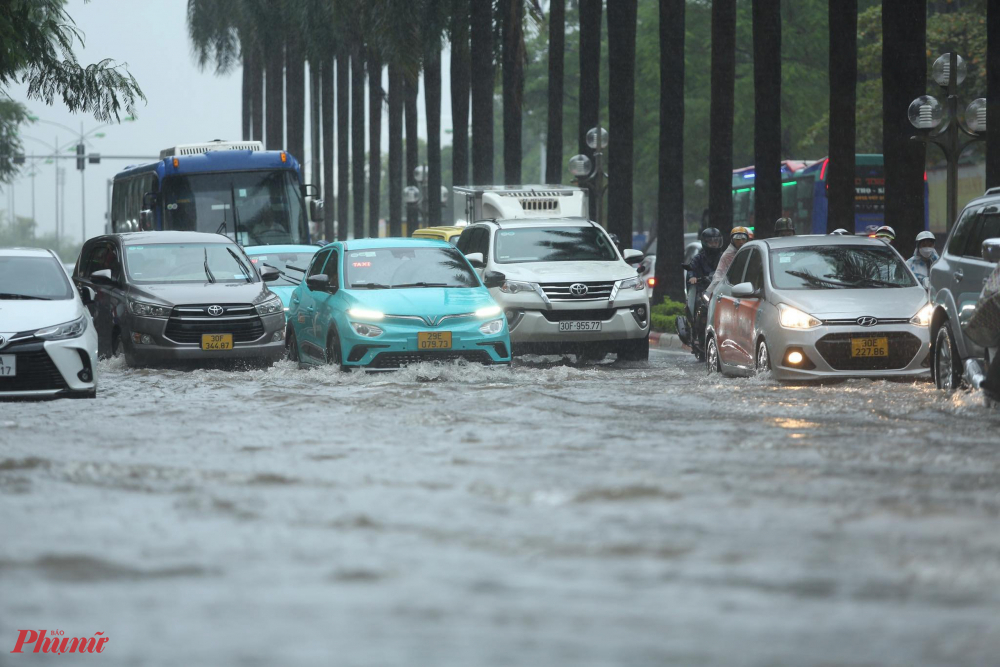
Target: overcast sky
(184,105)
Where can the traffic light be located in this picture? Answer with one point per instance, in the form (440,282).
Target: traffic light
(19,159)
(94,158)
(80,161)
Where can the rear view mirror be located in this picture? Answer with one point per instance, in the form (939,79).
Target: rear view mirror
(744,290)
(316,213)
(102,277)
(632,256)
(87,295)
(991,250)
(146,220)
(493,278)
(319,282)
(269,274)
(476,260)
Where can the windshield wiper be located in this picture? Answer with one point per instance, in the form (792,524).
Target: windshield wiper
(7,295)
(369,286)
(208,271)
(876,281)
(816,280)
(420,284)
(294,268)
(243,269)
(282,273)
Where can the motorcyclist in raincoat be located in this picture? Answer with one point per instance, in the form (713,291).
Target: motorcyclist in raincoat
(737,238)
(700,271)
(923,257)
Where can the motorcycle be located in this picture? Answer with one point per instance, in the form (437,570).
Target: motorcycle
(691,325)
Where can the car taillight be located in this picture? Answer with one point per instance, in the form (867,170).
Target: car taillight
(651,282)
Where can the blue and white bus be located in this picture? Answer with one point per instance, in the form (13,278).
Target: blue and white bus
(237,188)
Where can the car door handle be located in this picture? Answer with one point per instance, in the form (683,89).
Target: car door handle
(295,299)
(736,303)
(958,275)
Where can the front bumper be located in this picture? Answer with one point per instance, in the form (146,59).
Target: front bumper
(398,345)
(50,369)
(827,352)
(269,346)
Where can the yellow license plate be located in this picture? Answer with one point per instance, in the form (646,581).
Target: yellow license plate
(869,347)
(434,340)
(217,341)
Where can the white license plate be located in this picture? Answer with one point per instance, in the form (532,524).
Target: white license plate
(8,365)
(579,326)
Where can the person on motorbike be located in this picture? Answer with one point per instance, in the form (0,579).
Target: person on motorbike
(885,234)
(737,238)
(700,272)
(784,227)
(923,257)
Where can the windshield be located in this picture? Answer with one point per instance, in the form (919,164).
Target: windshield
(292,265)
(269,208)
(838,267)
(188,263)
(556,244)
(33,278)
(384,268)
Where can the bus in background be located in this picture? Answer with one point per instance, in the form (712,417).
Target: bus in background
(254,196)
(803,195)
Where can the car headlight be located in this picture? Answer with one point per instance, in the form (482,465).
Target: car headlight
(636,283)
(923,316)
(366,330)
(515,286)
(148,309)
(363,314)
(489,311)
(793,318)
(491,328)
(270,307)
(72,329)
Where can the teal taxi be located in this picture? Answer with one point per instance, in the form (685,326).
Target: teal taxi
(290,261)
(387,303)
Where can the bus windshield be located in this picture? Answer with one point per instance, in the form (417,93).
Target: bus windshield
(268,206)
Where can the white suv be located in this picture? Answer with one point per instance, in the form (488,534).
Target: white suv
(563,285)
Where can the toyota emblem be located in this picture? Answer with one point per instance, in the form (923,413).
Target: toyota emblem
(215,311)
(577,289)
(867,321)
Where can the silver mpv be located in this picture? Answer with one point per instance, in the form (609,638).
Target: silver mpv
(815,307)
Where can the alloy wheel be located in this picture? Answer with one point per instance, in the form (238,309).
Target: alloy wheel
(763,358)
(712,356)
(944,362)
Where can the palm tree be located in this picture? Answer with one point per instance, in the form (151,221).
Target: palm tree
(590,70)
(459,36)
(253,63)
(412,144)
(767,114)
(670,196)
(295,95)
(432,100)
(904,77)
(720,150)
(358,138)
(375,98)
(621,112)
(327,107)
(992,94)
(512,19)
(554,129)
(343,145)
(843,18)
(481,32)
(395,150)
(247,98)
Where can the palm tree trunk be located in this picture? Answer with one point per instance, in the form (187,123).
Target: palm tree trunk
(621,112)
(557,56)
(840,172)
(275,83)
(481,27)
(358,140)
(432,99)
(329,207)
(513,88)
(670,195)
(315,120)
(343,145)
(412,148)
(767,114)
(257,95)
(395,151)
(590,72)
(247,96)
(992,94)
(460,92)
(375,142)
(720,151)
(904,77)
(296,99)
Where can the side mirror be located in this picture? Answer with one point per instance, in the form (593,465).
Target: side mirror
(632,256)
(493,278)
(316,213)
(991,250)
(642,269)
(87,295)
(150,200)
(309,190)
(318,283)
(269,274)
(744,291)
(476,260)
(146,220)
(102,277)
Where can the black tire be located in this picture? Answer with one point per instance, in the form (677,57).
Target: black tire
(946,360)
(712,356)
(762,361)
(118,349)
(291,345)
(634,350)
(334,355)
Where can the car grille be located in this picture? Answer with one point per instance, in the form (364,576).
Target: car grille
(836,349)
(35,370)
(561,291)
(602,314)
(187,324)
(398,359)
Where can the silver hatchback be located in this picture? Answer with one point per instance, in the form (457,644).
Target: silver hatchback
(814,307)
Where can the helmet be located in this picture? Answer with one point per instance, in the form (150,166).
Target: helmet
(784,227)
(886,233)
(925,236)
(840,232)
(740,233)
(711,238)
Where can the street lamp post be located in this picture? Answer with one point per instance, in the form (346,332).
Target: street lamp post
(943,126)
(420,176)
(596,177)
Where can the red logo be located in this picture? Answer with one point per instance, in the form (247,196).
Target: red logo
(57,643)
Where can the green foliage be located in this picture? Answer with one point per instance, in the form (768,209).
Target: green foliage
(22,233)
(36,43)
(12,115)
(663,315)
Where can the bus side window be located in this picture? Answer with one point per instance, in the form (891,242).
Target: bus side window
(116,195)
